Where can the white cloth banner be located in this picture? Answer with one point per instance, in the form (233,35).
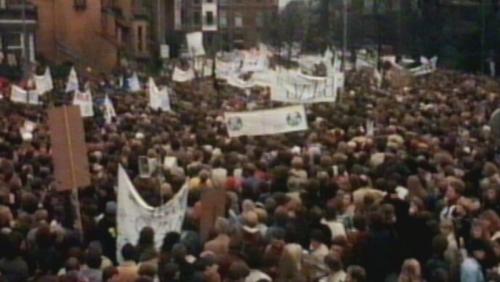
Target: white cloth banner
(109,110)
(159,99)
(19,95)
(134,85)
(72,83)
(84,101)
(295,87)
(44,82)
(180,75)
(266,122)
(133,213)
(427,67)
(195,44)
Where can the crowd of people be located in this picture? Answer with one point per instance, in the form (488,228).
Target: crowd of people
(413,199)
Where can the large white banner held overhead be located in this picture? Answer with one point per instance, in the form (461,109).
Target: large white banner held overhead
(133,213)
(295,87)
(266,122)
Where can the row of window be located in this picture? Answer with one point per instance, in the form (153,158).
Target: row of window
(223,19)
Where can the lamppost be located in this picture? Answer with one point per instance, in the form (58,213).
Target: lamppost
(26,43)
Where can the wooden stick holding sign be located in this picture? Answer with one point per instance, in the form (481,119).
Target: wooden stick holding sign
(69,153)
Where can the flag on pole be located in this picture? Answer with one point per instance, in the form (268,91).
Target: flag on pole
(109,110)
(44,83)
(72,83)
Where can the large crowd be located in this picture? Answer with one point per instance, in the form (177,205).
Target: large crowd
(413,199)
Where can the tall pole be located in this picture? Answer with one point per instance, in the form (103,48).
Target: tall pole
(483,35)
(344,41)
(26,42)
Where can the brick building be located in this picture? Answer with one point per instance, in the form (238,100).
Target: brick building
(225,23)
(70,30)
(241,21)
(128,24)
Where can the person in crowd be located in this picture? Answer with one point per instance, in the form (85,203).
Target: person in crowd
(399,183)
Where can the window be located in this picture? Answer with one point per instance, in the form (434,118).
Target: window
(210,18)
(139,38)
(222,19)
(13,41)
(259,19)
(80,4)
(196,18)
(238,20)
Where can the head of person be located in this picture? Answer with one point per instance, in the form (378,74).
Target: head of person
(129,252)
(410,271)
(356,273)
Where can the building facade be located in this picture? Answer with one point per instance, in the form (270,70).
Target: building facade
(71,31)
(241,22)
(128,24)
(225,24)
(18,23)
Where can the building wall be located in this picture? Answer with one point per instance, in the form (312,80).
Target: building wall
(69,34)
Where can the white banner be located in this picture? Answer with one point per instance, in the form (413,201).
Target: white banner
(266,122)
(159,99)
(133,213)
(109,110)
(295,87)
(84,101)
(427,67)
(72,83)
(19,95)
(195,44)
(44,82)
(180,75)
(134,85)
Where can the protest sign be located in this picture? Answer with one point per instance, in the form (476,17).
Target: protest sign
(19,95)
(181,75)
(295,87)
(266,122)
(69,151)
(195,44)
(428,66)
(84,101)
(213,203)
(133,213)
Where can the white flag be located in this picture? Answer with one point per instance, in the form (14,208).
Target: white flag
(266,122)
(84,101)
(109,110)
(159,99)
(133,214)
(44,83)
(72,83)
(195,44)
(134,85)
